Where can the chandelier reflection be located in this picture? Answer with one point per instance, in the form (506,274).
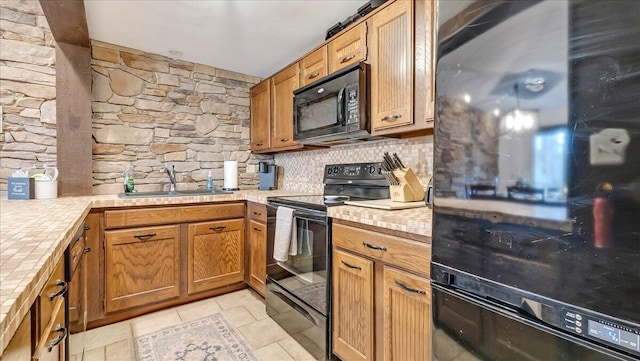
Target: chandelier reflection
(519,120)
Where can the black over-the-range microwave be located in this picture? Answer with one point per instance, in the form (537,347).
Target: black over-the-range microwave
(334,109)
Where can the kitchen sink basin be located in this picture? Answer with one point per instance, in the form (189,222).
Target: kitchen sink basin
(171,194)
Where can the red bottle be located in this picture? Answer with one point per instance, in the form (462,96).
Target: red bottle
(603,214)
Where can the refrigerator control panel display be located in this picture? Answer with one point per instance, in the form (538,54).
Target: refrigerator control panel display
(608,332)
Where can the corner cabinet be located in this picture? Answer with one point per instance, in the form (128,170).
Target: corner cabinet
(381,296)
(260,116)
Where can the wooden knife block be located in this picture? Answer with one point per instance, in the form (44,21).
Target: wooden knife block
(409,189)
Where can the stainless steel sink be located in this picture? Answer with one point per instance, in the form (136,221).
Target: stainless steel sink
(171,194)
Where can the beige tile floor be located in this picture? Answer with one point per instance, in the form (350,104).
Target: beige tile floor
(244,309)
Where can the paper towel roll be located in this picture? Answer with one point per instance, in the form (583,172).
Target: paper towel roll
(230,174)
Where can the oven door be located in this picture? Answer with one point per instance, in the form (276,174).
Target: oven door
(303,323)
(306,273)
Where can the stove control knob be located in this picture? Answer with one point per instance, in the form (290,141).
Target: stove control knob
(335,170)
(372,169)
(329,171)
(379,170)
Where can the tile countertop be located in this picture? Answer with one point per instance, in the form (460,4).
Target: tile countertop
(35,233)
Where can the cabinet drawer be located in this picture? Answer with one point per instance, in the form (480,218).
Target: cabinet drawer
(152,216)
(410,255)
(313,66)
(54,290)
(348,48)
(258,212)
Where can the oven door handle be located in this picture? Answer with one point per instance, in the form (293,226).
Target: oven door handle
(296,307)
(341,111)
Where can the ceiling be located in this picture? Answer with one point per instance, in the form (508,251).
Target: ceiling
(255,37)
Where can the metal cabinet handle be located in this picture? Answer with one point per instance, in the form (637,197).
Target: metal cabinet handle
(145,236)
(56,341)
(351,266)
(347,58)
(284,139)
(391,117)
(257,229)
(257,213)
(64,285)
(313,75)
(373,246)
(217,229)
(410,289)
(259,145)
(87,249)
(87,228)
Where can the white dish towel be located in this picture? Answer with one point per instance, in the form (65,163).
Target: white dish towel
(286,238)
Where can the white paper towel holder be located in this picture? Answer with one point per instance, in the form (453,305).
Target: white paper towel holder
(230,171)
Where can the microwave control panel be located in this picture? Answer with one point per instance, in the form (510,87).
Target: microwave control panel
(352,104)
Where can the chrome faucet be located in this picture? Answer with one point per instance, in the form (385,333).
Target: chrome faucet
(172,177)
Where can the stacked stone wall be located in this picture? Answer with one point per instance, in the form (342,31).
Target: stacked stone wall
(27,88)
(153,111)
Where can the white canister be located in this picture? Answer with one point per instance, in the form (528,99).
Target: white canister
(230,175)
(46,189)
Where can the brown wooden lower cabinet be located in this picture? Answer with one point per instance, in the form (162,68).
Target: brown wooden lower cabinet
(216,254)
(407,316)
(381,303)
(19,349)
(142,266)
(258,256)
(353,317)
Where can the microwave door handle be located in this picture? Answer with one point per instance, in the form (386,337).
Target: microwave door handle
(341,114)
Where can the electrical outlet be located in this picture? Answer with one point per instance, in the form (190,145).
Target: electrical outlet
(608,147)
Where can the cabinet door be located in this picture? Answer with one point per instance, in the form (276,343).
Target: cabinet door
(141,266)
(261,116)
(348,48)
(216,254)
(407,316)
(313,66)
(258,256)
(353,317)
(392,66)
(51,344)
(282,86)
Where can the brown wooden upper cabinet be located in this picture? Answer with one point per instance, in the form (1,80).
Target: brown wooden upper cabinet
(313,66)
(392,66)
(348,48)
(261,115)
(282,86)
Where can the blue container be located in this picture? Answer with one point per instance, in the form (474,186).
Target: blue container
(20,188)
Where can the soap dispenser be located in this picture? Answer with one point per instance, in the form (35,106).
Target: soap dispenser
(210,182)
(128,179)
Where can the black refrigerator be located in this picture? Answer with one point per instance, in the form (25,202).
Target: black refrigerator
(536,238)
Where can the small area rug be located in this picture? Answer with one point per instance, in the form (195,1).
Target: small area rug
(211,338)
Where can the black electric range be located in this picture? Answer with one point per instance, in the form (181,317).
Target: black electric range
(298,294)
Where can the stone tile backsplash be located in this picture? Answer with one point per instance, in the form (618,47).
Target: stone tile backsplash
(303,171)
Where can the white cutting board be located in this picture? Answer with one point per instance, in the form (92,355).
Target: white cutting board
(387,204)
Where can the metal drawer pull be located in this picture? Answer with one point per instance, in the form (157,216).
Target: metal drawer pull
(314,75)
(373,246)
(391,117)
(351,266)
(87,249)
(217,229)
(284,139)
(87,228)
(347,58)
(259,145)
(145,236)
(257,229)
(56,341)
(257,213)
(414,290)
(61,291)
